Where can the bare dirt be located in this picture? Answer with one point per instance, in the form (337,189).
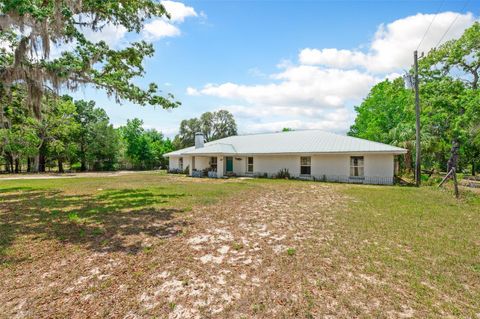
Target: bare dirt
(258,254)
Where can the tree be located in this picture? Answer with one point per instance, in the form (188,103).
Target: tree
(213,125)
(186,134)
(29,28)
(456,65)
(96,138)
(18,136)
(450,104)
(103,150)
(144,148)
(387,115)
(56,130)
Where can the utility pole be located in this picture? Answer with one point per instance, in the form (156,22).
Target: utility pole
(418,171)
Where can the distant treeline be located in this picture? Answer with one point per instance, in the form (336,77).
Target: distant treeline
(74,135)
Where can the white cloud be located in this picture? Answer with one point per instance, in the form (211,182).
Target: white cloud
(179,11)
(393,44)
(318,91)
(110,33)
(162,27)
(247,112)
(192,91)
(336,121)
(299,85)
(158,29)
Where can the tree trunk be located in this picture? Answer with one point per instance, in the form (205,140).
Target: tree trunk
(29,165)
(42,159)
(453,161)
(408,161)
(83,160)
(17,166)
(12,170)
(83,166)
(34,164)
(473,168)
(60,166)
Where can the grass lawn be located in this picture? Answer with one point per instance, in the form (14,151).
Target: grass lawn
(146,245)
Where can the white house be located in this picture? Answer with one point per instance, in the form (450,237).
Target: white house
(308,154)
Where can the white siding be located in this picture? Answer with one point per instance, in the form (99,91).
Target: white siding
(378,168)
(202,162)
(333,165)
(173,162)
(379,165)
(274,163)
(239,165)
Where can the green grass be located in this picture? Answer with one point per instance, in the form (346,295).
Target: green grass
(415,247)
(81,210)
(424,240)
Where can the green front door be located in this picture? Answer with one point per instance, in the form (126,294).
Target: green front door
(229,164)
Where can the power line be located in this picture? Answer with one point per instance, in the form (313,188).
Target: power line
(430,25)
(453,22)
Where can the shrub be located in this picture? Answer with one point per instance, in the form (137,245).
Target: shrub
(283,173)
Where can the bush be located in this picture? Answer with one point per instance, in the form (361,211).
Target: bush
(283,174)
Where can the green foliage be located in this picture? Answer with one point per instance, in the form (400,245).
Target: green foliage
(49,22)
(213,125)
(450,108)
(78,134)
(144,148)
(283,174)
(97,139)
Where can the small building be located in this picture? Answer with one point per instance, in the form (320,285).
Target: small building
(309,154)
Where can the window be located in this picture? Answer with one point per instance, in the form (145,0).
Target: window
(305,165)
(180,163)
(213,163)
(356,166)
(250,164)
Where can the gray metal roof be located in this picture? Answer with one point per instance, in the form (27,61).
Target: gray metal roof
(294,142)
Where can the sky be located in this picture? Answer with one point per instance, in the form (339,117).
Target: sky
(276,64)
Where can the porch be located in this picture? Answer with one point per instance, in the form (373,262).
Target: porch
(220,166)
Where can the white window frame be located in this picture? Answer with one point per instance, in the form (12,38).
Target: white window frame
(306,161)
(357,170)
(250,166)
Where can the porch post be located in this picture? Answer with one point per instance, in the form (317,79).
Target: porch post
(220,166)
(191,166)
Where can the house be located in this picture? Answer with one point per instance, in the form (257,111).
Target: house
(309,154)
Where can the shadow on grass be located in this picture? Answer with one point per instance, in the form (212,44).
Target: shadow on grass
(115,220)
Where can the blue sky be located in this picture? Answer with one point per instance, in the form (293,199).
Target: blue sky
(274,64)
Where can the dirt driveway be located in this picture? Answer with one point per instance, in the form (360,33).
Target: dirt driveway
(256,254)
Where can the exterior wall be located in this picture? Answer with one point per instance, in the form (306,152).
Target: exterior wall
(378,168)
(379,165)
(272,164)
(173,162)
(201,162)
(331,165)
(239,165)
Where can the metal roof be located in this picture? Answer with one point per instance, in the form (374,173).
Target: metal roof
(293,142)
(211,148)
